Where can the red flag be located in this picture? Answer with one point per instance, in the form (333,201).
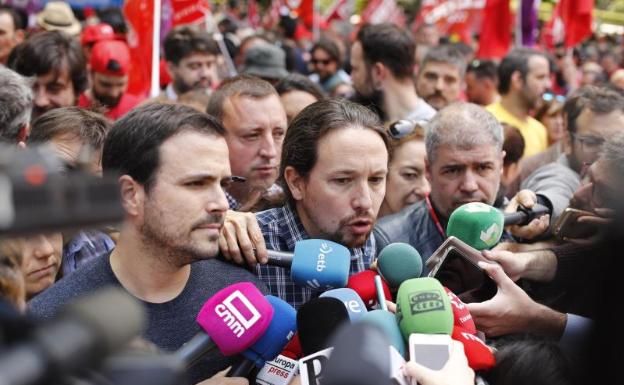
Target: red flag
(253,16)
(140,17)
(458,18)
(577,20)
(496,27)
(338,10)
(189,11)
(383,11)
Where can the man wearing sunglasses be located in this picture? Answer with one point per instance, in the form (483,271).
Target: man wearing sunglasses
(593,116)
(326,64)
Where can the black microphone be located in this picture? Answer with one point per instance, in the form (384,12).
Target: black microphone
(524,215)
(83,334)
(317,320)
(280,258)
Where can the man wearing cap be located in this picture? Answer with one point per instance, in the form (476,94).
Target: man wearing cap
(93,34)
(266,62)
(109,64)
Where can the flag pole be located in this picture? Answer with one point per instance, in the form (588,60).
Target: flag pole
(155,81)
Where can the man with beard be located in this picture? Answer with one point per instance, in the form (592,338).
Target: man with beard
(191,61)
(382,65)
(441,76)
(57,64)
(169,159)
(523,76)
(109,64)
(332,192)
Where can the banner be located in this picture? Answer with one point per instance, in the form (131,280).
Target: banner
(189,11)
(383,11)
(452,17)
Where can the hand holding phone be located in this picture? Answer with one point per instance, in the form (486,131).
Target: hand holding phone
(430,350)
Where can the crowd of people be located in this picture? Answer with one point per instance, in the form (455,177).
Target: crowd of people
(365,138)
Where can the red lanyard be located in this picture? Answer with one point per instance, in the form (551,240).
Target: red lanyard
(434,216)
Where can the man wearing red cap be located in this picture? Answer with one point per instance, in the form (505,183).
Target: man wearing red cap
(93,34)
(109,65)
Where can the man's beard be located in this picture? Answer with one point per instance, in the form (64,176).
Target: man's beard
(181,87)
(107,101)
(374,102)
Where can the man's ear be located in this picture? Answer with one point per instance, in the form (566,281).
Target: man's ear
(295,182)
(379,73)
(171,68)
(132,196)
(516,80)
(502,161)
(19,36)
(23,133)
(427,169)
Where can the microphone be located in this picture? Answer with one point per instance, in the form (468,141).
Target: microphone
(363,283)
(279,371)
(386,322)
(481,225)
(361,356)
(83,334)
(423,307)
(293,348)
(350,299)
(461,315)
(315,263)
(281,329)
(399,262)
(317,319)
(479,355)
(232,320)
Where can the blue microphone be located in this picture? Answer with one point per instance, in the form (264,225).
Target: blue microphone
(352,301)
(315,263)
(386,321)
(281,329)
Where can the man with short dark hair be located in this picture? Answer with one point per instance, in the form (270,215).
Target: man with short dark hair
(11,31)
(481,82)
(169,159)
(441,76)
(15,106)
(523,76)
(382,62)
(191,61)
(255,123)
(326,62)
(109,63)
(58,65)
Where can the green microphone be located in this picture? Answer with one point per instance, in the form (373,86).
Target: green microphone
(399,262)
(423,307)
(477,224)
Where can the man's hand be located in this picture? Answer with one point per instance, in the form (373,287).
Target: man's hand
(513,264)
(241,239)
(600,223)
(221,379)
(537,226)
(455,372)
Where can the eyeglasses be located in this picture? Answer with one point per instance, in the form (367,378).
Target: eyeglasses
(549,97)
(588,143)
(319,61)
(402,128)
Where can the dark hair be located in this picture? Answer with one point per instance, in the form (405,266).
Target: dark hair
(241,85)
(330,47)
(447,54)
(483,69)
(300,147)
(528,361)
(600,100)
(89,126)
(516,60)
(133,143)
(390,45)
(183,41)
(299,82)
(18,21)
(51,51)
(114,17)
(513,144)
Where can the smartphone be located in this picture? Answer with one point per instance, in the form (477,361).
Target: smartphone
(567,225)
(455,265)
(430,350)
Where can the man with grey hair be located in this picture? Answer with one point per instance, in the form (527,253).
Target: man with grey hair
(464,164)
(16,100)
(441,76)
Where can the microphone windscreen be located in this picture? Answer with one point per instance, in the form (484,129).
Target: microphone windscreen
(293,348)
(399,262)
(317,319)
(479,355)
(320,264)
(477,224)
(361,356)
(281,329)
(236,317)
(350,299)
(386,321)
(461,315)
(363,283)
(423,307)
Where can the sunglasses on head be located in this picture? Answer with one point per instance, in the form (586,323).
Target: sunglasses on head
(549,96)
(402,128)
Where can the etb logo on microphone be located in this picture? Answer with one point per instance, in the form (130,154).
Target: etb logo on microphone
(237,313)
(320,261)
(425,301)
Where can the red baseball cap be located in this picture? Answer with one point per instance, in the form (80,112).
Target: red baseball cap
(97,32)
(110,57)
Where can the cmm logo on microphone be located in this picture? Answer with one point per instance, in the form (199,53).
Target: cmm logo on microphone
(425,301)
(237,313)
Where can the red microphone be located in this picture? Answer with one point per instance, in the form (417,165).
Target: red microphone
(479,355)
(293,348)
(363,283)
(461,315)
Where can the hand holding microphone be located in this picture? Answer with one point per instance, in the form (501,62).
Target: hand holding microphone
(527,218)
